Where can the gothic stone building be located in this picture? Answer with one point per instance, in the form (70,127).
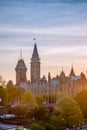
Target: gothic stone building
(59,85)
(35,68)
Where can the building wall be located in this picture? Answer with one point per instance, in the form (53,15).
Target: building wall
(35,71)
(20,76)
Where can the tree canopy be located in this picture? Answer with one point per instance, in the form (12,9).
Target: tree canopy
(39,100)
(15,94)
(3,96)
(67,112)
(81,98)
(28,98)
(2,81)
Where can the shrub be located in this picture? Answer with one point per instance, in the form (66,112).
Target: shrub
(36,127)
(18,128)
(19,111)
(49,127)
(39,113)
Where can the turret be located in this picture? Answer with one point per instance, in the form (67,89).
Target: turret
(21,70)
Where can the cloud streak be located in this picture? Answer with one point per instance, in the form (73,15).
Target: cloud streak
(60,27)
(79,30)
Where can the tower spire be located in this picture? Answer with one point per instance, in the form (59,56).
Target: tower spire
(35,55)
(72,73)
(35,65)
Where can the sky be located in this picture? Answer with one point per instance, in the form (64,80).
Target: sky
(60,29)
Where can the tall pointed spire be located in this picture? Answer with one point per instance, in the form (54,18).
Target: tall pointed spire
(35,65)
(72,73)
(62,74)
(35,55)
(35,52)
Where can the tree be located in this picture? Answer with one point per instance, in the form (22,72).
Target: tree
(19,93)
(28,98)
(3,96)
(39,100)
(15,94)
(67,112)
(36,127)
(9,84)
(2,81)
(39,113)
(11,94)
(49,127)
(81,98)
(19,111)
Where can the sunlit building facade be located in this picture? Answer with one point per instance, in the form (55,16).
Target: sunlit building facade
(59,85)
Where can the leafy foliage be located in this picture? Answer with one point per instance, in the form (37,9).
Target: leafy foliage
(18,128)
(3,96)
(15,94)
(67,113)
(39,100)
(49,127)
(28,98)
(2,81)
(19,111)
(39,113)
(36,127)
(81,98)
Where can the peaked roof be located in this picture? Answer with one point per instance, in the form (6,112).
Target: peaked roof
(35,55)
(82,75)
(62,74)
(72,73)
(21,65)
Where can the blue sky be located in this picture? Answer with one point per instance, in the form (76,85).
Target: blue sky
(60,29)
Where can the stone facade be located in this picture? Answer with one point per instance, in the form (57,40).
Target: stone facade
(60,85)
(21,72)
